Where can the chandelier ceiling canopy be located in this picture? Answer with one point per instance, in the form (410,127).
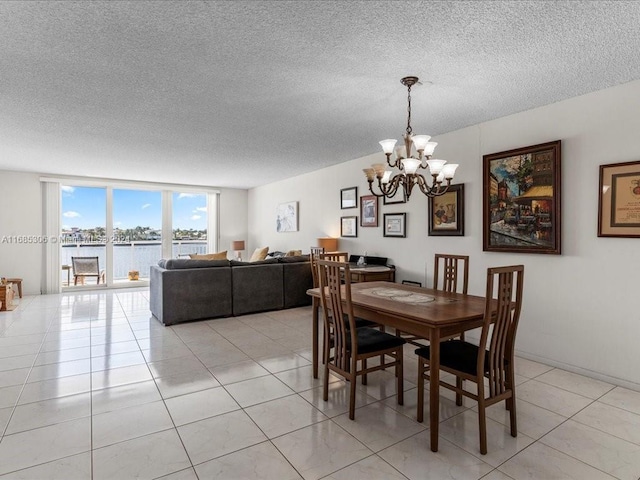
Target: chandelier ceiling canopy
(408,163)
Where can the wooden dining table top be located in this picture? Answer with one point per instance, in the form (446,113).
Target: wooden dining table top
(432,308)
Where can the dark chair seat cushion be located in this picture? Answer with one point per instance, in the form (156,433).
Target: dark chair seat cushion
(371,340)
(361,322)
(456,354)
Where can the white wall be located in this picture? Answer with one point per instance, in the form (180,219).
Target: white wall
(581,309)
(233,220)
(21,215)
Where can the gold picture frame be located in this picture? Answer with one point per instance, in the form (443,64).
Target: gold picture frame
(619,200)
(446,213)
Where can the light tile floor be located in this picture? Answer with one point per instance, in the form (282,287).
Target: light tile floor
(93,387)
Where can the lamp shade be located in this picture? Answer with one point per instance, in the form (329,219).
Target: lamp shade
(237,245)
(329,244)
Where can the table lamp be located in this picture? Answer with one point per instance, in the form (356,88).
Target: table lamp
(238,247)
(329,244)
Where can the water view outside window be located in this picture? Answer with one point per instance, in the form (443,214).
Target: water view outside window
(189,222)
(83,234)
(137,233)
(136,242)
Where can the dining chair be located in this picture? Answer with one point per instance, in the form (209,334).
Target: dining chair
(451,266)
(352,345)
(84,267)
(452,272)
(492,359)
(335,256)
(314,254)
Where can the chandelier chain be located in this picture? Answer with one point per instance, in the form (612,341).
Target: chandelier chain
(409,129)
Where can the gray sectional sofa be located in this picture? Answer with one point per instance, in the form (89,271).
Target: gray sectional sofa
(183,290)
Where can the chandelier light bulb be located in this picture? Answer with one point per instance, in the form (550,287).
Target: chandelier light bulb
(449,170)
(401,152)
(411,165)
(429,148)
(435,166)
(420,141)
(387,145)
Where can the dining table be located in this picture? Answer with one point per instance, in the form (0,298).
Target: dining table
(424,312)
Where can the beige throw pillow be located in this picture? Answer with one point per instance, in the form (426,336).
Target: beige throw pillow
(259,254)
(209,256)
(293,253)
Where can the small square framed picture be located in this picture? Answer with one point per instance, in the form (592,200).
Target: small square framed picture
(349,197)
(348,226)
(395,225)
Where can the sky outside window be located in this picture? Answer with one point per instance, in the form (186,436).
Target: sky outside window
(189,211)
(85,208)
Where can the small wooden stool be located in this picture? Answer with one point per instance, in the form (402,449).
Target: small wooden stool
(16,281)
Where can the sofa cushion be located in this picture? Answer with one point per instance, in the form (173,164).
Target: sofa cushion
(209,256)
(293,253)
(259,254)
(297,280)
(181,295)
(181,263)
(266,261)
(296,259)
(257,288)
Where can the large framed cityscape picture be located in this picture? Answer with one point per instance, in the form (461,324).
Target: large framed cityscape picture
(619,200)
(521,200)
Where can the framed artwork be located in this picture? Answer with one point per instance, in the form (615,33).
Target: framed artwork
(348,226)
(349,197)
(446,213)
(395,225)
(369,211)
(399,197)
(287,217)
(521,200)
(619,200)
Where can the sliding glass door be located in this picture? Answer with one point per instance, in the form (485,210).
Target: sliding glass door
(137,234)
(83,236)
(125,230)
(189,222)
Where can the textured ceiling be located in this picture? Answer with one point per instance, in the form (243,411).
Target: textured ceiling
(240,94)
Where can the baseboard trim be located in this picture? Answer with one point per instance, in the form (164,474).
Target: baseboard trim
(580,371)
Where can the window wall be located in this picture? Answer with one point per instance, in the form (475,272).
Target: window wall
(129,228)
(189,223)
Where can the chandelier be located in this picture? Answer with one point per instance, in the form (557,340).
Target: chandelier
(408,163)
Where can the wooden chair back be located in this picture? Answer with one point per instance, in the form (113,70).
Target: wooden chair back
(499,331)
(314,254)
(454,268)
(335,256)
(339,321)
